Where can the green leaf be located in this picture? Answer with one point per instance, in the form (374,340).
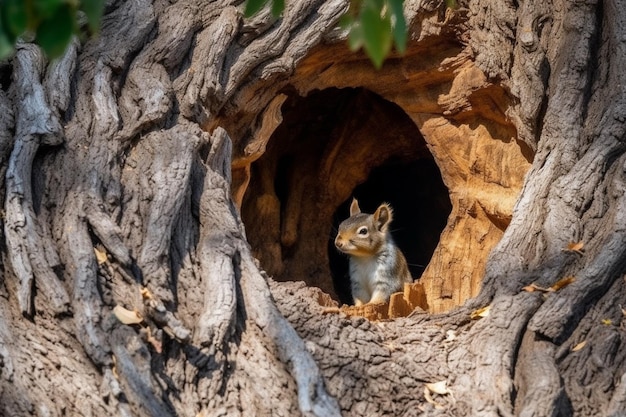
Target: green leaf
(14,17)
(54,34)
(399,24)
(93,10)
(44,9)
(376,35)
(253,7)
(277,7)
(6,46)
(451,4)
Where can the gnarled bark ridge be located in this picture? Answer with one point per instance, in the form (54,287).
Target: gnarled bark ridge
(116,186)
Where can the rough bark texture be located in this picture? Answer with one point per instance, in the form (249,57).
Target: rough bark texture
(124,165)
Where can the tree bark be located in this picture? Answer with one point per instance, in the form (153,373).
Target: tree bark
(123,164)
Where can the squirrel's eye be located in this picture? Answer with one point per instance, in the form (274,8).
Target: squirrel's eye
(362,230)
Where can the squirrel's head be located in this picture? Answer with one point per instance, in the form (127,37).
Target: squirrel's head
(363,234)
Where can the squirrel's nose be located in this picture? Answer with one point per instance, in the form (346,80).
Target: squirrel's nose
(339,243)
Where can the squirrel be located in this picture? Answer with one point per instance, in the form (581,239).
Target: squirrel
(377,267)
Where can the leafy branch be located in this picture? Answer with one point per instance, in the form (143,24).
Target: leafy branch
(374,25)
(50,23)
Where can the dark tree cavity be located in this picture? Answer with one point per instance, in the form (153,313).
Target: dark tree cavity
(302,186)
(125,165)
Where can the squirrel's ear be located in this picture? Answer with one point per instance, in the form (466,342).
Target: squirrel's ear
(383,216)
(354,207)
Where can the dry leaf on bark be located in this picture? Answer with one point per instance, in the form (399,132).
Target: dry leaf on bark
(439,387)
(156,344)
(101,255)
(533,287)
(450,335)
(564,282)
(480,313)
(127,316)
(146,294)
(577,247)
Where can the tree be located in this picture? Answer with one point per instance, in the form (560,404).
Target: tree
(117,186)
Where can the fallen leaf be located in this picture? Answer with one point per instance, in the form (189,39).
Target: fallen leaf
(450,335)
(555,287)
(330,310)
(564,282)
(438,387)
(429,398)
(577,247)
(579,346)
(101,255)
(481,312)
(114,368)
(156,344)
(607,322)
(146,294)
(532,288)
(126,316)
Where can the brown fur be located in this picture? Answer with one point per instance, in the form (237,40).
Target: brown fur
(377,267)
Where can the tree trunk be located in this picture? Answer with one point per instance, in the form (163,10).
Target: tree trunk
(124,168)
